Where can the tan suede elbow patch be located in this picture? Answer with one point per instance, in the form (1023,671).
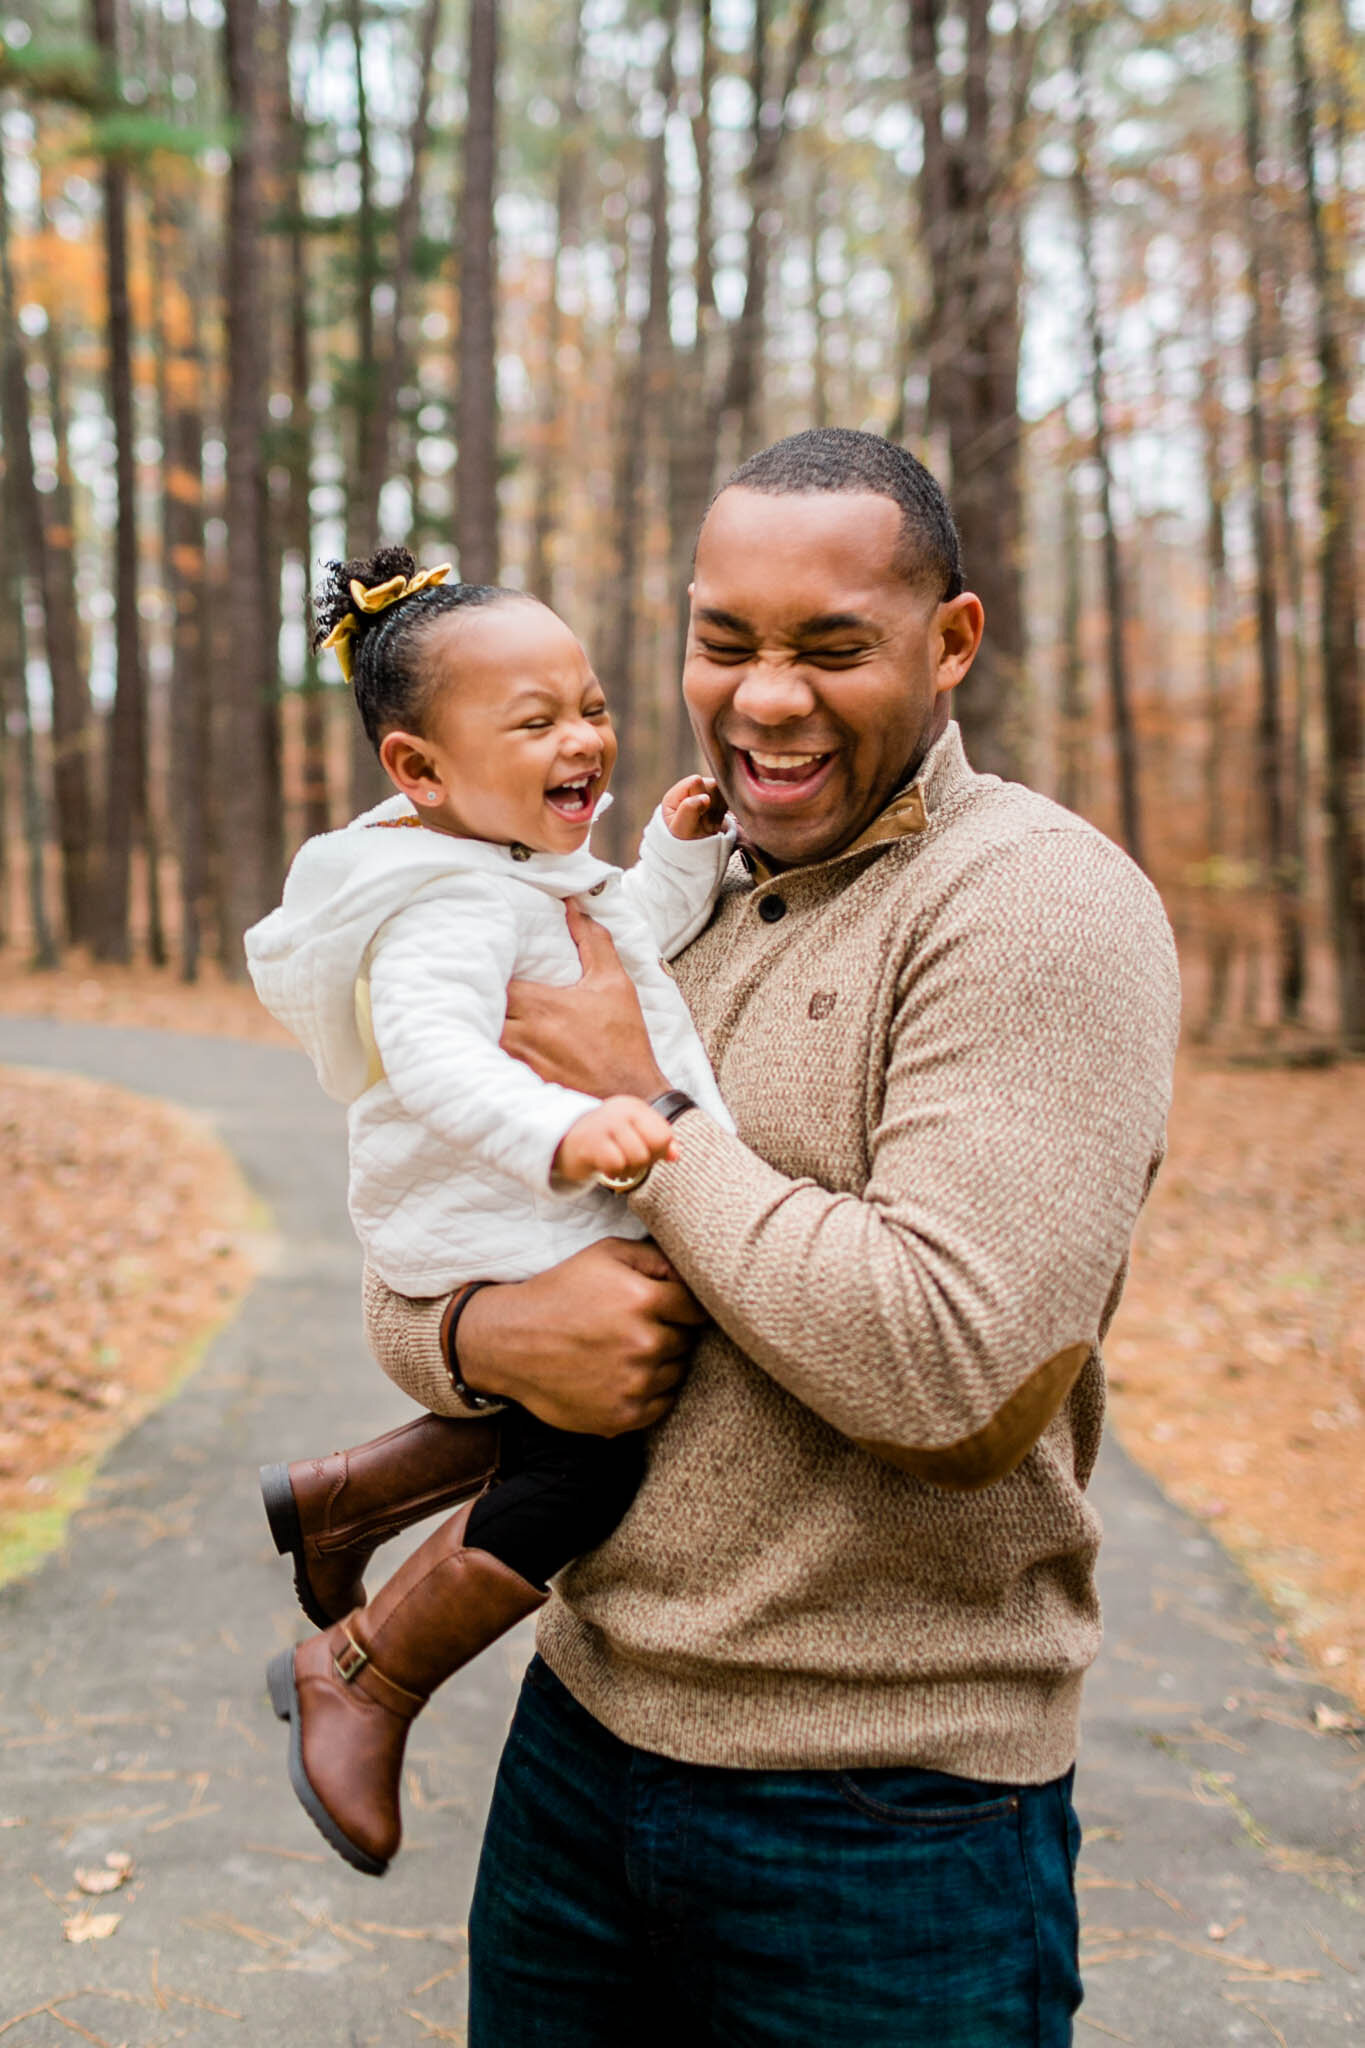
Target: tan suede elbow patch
(992,1452)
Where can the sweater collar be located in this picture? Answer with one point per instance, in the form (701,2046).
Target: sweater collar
(940,775)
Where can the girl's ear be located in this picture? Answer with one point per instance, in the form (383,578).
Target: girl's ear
(407,761)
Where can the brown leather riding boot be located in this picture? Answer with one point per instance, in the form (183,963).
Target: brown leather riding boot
(331,1514)
(350,1695)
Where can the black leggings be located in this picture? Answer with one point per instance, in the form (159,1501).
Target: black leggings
(557,1494)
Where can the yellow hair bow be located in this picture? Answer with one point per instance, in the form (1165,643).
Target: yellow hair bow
(377,599)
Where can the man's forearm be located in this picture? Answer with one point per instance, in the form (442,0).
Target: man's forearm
(597,1345)
(409,1337)
(833,1301)
(405,1335)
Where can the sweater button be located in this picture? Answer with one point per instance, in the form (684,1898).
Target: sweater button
(772,908)
(518,851)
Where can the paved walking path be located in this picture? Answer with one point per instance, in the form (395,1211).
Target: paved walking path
(1224,1868)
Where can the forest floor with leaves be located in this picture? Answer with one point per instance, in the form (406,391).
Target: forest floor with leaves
(1237,1363)
(126,1235)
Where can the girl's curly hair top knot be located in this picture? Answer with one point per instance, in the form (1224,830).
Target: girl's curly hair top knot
(379,644)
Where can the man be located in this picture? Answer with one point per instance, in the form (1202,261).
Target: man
(796,1755)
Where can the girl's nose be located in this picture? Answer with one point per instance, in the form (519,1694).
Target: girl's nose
(583,739)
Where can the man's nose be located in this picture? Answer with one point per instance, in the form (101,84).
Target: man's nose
(773,693)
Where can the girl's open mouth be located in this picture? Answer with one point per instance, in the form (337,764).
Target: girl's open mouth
(574,800)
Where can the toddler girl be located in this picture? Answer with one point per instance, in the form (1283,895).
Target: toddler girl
(389,959)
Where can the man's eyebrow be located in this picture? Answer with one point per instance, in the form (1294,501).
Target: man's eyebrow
(711,615)
(832,622)
(808,629)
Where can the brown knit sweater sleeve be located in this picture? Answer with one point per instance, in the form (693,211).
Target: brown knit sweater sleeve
(1026,1090)
(405,1336)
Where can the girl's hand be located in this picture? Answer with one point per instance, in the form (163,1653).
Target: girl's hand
(694,808)
(590,1036)
(624,1137)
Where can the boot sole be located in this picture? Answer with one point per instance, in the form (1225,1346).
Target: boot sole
(284,1698)
(282,1513)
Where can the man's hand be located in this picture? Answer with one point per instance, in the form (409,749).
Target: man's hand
(598,1345)
(590,1036)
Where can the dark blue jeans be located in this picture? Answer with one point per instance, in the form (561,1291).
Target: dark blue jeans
(626,1901)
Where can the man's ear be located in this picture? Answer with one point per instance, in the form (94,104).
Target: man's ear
(407,762)
(959,626)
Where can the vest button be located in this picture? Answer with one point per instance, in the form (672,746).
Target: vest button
(772,908)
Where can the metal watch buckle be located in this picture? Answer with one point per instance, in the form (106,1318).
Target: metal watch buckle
(350,1662)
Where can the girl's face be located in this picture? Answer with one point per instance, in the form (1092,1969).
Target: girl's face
(517,742)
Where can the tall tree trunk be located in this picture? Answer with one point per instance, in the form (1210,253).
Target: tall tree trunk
(1218,619)
(476,396)
(692,435)
(243,768)
(550,423)
(73,731)
(1125,735)
(180,396)
(126,778)
(6,657)
(316,797)
(24,548)
(367,473)
(1294,749)
(741,404)
(970,226)
(368,781)
(819,397)
(1338,592)
(297,521)
(16,715)
(707,420)
(1269,733)
(632,445)
(391,349)
(1073,738)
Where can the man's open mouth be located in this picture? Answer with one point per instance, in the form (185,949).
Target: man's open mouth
(783,777)
(574,800)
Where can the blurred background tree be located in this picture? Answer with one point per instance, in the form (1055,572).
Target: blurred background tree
(520,285)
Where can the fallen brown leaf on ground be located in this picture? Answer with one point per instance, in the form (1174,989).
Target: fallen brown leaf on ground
(88,1926)
(117,1870)
(1237,1361)
(86,991)
(124,1231)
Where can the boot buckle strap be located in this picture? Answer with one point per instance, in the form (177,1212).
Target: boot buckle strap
(350,1662)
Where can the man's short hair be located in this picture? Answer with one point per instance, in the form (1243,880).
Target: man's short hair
(844,459)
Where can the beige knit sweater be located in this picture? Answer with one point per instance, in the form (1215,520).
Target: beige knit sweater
(949,1061)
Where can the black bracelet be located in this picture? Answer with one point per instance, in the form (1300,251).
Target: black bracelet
(672,1104)
(448,1330)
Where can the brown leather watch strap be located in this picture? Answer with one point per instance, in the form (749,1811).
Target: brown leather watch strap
(450,1324)
(672,1104)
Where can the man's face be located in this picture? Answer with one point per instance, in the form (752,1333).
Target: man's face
(816,676)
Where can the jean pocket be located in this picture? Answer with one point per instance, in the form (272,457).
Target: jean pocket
(917,1799)
(538,1677)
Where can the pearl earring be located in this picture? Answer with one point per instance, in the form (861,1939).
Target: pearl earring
(433,796)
